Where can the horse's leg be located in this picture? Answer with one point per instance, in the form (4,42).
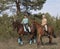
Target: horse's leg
(53,34)
(31,38)
(35,36)
(38,39)
(20,39)
(50,39)
(41,40)
(34,39)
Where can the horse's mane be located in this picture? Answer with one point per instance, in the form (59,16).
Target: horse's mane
(37,23)
(18,23)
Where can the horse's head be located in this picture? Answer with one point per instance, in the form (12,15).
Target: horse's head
(14,25)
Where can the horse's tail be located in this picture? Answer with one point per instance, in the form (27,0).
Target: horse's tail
(54,35)
(51,30)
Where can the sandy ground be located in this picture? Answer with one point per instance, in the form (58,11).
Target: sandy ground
(12,44)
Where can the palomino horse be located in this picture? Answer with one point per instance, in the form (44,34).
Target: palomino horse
(20,30)
(41,32)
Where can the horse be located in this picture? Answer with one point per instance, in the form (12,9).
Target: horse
(41,33)
(20,30)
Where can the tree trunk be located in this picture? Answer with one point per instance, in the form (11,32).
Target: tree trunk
(18,6)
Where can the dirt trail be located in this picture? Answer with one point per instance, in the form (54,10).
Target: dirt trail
(12,44)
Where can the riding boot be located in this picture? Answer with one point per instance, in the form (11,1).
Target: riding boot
(47,33)
(30,33)
(27,30)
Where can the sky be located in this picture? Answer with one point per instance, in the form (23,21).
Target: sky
(52,7)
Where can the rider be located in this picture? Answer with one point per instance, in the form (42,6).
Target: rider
(25,23)
(44,22)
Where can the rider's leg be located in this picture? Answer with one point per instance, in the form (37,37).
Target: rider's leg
(25,29)
(29,29)
(46,27)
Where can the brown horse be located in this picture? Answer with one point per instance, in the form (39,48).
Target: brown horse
(20,30)
(41,32)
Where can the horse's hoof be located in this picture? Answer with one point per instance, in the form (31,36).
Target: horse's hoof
(42,43)
(54,36)
(50,42)
(48,36)
(21,43)
(30,42)
(38,43)
(34,40)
